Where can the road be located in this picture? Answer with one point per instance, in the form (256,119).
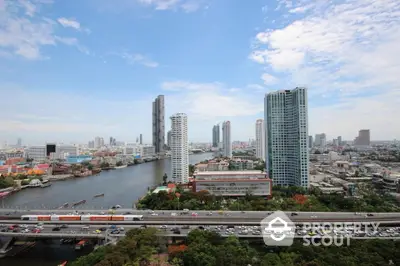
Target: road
(76,231)
(231,215)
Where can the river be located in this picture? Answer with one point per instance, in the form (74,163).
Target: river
(121,186)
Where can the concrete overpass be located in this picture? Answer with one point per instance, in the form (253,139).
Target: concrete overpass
(75,233)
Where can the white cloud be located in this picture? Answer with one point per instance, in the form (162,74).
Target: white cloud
(186,5)
(210,100)
(23,32)
(137,59)
(71,23)
(268,79)
(338,50)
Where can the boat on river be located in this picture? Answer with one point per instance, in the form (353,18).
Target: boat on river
(45,185)
(119,167)
(65,205)
(99,195)
(79,203)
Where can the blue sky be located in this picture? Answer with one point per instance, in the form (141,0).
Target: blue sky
(72,70)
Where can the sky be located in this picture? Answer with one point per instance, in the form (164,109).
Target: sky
(73,70)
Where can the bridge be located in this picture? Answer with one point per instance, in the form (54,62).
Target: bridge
(76,232)
(202,217)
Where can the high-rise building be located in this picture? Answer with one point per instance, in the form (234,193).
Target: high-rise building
(141,139)
(159,124)
(169,138)
(339,139)
(226,139)
(286,118)
(260,139)
(310,142)
(320,140)
(363,139)
(179,148)
(215,136)
(113,141)
(91,144)
(19,143)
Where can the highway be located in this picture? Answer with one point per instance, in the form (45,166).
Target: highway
(100,232)
(214,217)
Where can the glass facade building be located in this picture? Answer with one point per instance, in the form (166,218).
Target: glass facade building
(286,130)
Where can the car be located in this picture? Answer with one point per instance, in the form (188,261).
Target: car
(127,213)
(115,232)
(370,215)
(173,214)
(154,214)
(121,229)
(56,229)
(186,227)
(36,231)
(164,227)
(103,229)
(16,230)
(143,226)
(201,227)
(177,232)
(294,214)
(113,226)
(64,226)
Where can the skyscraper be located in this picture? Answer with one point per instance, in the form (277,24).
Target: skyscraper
(363,138)
(286,118)
(19,143)
(215,136)
(260,139)
(179,148)
(320,140)
(141,139)
(169,138)
(310,142)
(158,124)
(226,139)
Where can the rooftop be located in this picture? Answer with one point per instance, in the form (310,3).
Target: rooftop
(250,172)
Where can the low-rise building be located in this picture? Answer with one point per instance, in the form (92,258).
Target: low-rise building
(240,165)
(233,183)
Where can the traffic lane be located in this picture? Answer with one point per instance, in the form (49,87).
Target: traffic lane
(249,214)
(168,212)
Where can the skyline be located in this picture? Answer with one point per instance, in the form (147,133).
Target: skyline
(73,71)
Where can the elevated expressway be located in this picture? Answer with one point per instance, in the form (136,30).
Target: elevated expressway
(203,217)
(75,232)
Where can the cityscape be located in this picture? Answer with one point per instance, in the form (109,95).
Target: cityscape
(296,171)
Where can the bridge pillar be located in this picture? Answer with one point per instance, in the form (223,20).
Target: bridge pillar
(4,246)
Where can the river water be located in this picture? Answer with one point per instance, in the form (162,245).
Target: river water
(121,186)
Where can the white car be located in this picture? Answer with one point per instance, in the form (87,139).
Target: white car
(173,214)
(154,214)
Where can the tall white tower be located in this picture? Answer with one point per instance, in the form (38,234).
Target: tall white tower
(226,139)
(179,148)
(260,139)
(286,119)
